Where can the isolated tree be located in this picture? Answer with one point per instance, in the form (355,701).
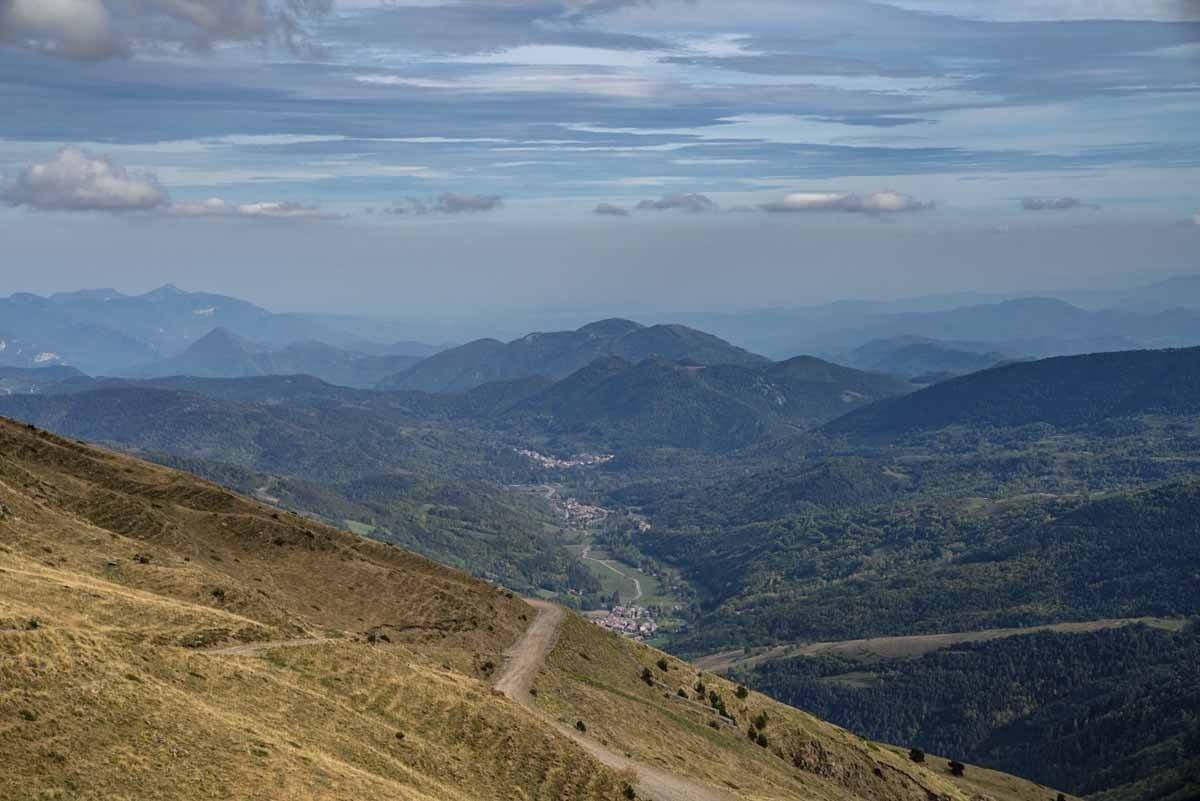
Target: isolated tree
(957,768)
(916,755)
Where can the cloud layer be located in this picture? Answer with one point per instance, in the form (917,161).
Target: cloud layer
(268,210)
(874,203)
(692,203)
(98,29)
(75,180)
(447,203)
(1053,204)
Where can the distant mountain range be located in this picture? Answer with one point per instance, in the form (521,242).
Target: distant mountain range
(103,331)
(223,354)
(1162,315)
(559,354)
(106,332)
(610,401)
(1068,390)
(924,360)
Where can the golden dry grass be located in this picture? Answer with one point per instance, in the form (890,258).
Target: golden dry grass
(596,677)
(106,692)
(123,586)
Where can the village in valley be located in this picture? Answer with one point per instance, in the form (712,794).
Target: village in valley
(634,600)
(555,463)
(632,621)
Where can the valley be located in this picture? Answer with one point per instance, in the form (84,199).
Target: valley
(238,645)
(599,400)
(750,517)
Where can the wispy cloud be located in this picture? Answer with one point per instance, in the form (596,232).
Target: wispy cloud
(874,203)
(447,203)
(693,203)
(263,210)
(610,210)
(1054,204)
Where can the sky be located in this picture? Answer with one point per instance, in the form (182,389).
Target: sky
(459,158)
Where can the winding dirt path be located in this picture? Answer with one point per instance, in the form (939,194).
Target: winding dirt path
(525,660)
(637,584)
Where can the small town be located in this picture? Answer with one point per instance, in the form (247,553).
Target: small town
(553,462)
(635,622)
(581,514)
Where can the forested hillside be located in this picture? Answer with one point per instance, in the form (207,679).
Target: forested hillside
(1088,712)
(927,569)
(1064,391)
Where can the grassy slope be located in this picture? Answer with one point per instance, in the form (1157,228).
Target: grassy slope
(596,677)
(109,688)
(102,701)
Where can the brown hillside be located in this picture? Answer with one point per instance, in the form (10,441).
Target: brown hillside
(162,638)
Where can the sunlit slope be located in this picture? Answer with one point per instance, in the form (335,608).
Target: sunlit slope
(629,703)
(161,638)
(118,576)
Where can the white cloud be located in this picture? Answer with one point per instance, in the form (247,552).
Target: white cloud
(265,210)
(213,207)
(873,203)
(98,29)
(73,28)
(283,210)
(76,180)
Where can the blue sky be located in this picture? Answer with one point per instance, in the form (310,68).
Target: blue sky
(438,133)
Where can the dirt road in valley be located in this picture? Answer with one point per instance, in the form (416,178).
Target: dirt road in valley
(913,646)
(525,660)
(637,584)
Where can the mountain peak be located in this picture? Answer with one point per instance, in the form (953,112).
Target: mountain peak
(611,327)
(164,291)
(220,343)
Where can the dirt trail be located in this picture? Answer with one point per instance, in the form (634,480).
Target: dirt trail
(260,648)
(637,584)
(526,658)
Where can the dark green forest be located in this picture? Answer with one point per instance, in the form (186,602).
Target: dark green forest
(1084,712)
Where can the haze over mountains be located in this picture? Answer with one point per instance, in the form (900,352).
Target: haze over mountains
(948,485)
(104,332)
(222,354)
(557,355)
